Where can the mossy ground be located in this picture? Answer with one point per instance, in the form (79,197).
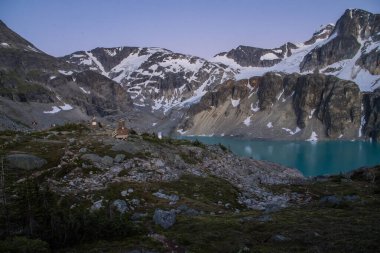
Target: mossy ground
(310,227)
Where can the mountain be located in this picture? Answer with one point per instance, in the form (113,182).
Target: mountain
(348,50)
(154,77)
(326,87)
(290,92)
(35,86)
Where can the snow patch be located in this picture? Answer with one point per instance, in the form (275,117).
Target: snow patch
(268,57)
(247,121)
(85,91)
(33,49)
(290,131)
(256,108)
(66,73)
(311,113)
(181,131)
(128,65)
(235,102)
(269,125)
(52,77)
(313,137)
(55,109)
(362,122)
(66,107)
(4,44)
(279,96)
(94,60)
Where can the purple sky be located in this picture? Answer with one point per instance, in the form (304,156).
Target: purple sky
(199,27)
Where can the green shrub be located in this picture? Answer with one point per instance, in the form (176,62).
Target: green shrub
(197,143)
(70,127)
(224,148)
(24,245)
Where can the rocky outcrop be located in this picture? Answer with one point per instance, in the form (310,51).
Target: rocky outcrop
(335,102)
(247,56)
(323,33)
(371,118)
(371,61)
(314,102)
(269,86)
(165,219)
(345,41)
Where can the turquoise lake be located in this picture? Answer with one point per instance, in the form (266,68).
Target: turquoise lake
(311,158)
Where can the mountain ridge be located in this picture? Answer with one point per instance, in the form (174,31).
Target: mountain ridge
(162,86)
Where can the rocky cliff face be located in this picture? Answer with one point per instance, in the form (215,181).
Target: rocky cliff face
(37,87)
(280,106)
(354,28)
(371,117)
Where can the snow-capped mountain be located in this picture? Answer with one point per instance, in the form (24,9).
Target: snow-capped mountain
(154,77)
(285,92)
(348,50)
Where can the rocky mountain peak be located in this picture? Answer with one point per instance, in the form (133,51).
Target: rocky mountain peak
(323,33)
(11,40)
(358,23)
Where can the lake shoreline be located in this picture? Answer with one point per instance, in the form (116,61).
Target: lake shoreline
(311,158)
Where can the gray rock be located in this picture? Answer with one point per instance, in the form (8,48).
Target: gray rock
(279,238)
(124,193)
(107,160)
(165,219)
(159,163)
(25,161)
(172,197)
(135,202)
(331,200)
(119,158)
(94,158)
(83,150)
(96,205)
(120,205)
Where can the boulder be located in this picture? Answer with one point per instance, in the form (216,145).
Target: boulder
(107,160)
(165,219)
(83,150)
(120,205)
(161,195)
(119,158)
(279,238)
(96,205)
(25,161)
(93,158)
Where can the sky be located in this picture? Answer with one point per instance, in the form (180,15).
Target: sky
(197,27)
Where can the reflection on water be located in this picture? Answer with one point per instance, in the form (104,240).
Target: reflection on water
(312,159)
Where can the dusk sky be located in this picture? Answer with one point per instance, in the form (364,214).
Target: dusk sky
(199,27)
